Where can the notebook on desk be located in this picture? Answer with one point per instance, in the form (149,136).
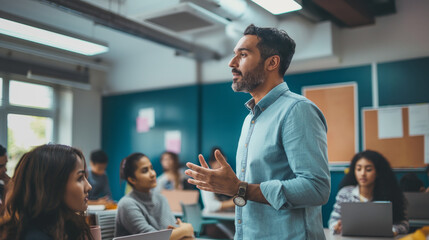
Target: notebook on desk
(370,219)
(418,205)
(159,235)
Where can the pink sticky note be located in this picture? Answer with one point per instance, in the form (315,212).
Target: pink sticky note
(142,124)
(173,145)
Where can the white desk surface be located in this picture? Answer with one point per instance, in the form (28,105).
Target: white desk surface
(330,236)
(228,216)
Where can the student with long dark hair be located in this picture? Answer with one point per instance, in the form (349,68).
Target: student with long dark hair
(144,210)
(371,178)
(172,178)
(47,196)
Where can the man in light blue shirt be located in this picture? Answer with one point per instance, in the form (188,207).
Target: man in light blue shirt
(282,165)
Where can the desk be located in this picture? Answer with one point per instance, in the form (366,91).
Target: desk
(330,236)
(418,223)
(224,216)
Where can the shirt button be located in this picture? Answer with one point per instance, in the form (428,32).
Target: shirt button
(239,221)
(253,121)
(245,145)
(242,169)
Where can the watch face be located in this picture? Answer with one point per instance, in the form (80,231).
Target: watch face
(239,201)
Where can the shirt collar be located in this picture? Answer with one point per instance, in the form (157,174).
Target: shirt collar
(269,98)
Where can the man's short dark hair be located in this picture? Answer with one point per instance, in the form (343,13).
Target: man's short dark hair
(2,151)
(273,41)
(99,156)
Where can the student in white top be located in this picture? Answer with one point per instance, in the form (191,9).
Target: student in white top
(214,202)
(371,178)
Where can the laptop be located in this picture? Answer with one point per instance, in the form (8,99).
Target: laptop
(367,219)
(418,205)
(175,197)
(159,235)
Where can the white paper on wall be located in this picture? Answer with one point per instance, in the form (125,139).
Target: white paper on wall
(419,119)
(145,120)
(173,141)
(390,123)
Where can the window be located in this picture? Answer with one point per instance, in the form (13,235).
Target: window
(30,95)
(27,116)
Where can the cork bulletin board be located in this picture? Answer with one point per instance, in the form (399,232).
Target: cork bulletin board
(338,102)
(405,152)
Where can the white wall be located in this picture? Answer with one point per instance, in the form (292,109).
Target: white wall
(402,35)
(86,124)
(148,65)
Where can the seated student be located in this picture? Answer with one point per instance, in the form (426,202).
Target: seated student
(4,178)
(142,210)
(371,179)
(214,202)
(172,178)
(410,182)
(100,193)
(47,196)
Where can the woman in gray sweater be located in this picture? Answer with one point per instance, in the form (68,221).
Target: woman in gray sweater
(143,210)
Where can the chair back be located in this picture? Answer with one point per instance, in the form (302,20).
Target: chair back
(192,214)
(107,222)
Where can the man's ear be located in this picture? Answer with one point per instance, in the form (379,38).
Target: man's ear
(273,63)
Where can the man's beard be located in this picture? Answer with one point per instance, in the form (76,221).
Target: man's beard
(250,80)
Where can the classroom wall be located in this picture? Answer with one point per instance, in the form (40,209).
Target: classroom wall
(218,120)
(175,109)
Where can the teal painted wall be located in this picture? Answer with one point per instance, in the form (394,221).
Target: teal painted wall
(403,82)
(212,114)
(175,109)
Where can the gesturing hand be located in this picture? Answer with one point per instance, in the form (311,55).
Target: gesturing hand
(220,180)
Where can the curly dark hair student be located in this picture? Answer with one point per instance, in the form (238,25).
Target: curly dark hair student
(36,196)
(386,186)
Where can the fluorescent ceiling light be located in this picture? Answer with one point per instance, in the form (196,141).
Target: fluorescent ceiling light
(50,38)
(278,6)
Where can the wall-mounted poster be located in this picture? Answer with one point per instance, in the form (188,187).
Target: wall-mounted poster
(173,141)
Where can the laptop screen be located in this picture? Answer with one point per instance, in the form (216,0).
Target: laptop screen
(158,235)
(371,219)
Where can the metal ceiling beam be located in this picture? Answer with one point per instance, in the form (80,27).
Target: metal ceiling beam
(123,24)
(352,13)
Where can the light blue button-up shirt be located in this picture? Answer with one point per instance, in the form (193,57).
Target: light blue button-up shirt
(283,147)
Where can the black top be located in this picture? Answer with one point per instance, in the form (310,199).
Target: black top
(36,234)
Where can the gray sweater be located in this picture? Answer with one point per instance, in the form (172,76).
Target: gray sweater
(140,212)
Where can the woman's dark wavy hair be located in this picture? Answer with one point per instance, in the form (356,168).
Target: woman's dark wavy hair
(386,186)
(35,196)
(129,166)
(273,41)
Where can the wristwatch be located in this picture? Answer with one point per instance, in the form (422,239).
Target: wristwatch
(240,198)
